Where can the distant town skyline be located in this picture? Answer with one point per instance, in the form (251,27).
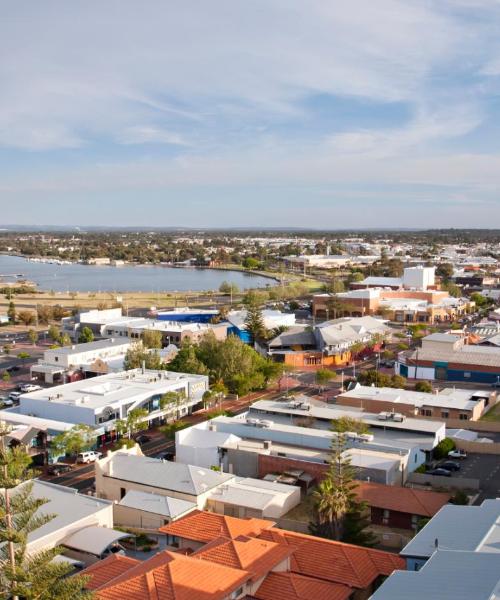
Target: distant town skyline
(346,115)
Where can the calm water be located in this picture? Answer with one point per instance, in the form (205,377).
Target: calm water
(90,278)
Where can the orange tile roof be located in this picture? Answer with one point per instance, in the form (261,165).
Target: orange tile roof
(337,562)
(290,586)
(257,556)
(103,571)
(171,576)
(406,500)
(203,526)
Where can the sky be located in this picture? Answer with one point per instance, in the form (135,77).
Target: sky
(269,113)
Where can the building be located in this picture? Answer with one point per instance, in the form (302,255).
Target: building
(278,437)
(187,315)
(272,319)
(454,556)
(327,344)
(447,357)
(123,472)
(416,278)
(398,305)
(101,400)
(70,363)
(399,508)
(442,404)
(328,261)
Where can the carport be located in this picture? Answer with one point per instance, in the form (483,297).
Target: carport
(93,540)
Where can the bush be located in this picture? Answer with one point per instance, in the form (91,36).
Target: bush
(421,469)
(442,449)
(423,386)
(460,498)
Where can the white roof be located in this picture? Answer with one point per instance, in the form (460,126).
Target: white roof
(252,493)
(113,388)
(154,503)
(164,475)
(382,281)
(14,417)
(447,575)
(93,539)
(123,344)
(271,318)
(350,330)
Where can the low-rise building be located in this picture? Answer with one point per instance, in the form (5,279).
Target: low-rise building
(100,401)
(448,357)
(445,404)
(272,319)
(70,363)
(454,556)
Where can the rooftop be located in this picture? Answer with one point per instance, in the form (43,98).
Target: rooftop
(92,346)
(154,503)
(161,474)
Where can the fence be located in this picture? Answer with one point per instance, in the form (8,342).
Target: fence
(479,447)
(436,481)
(292,525)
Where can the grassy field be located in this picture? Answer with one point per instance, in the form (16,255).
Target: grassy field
(493,414)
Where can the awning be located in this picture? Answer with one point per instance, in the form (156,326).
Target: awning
(51,369)
(93,539)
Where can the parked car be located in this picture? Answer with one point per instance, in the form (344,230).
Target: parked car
(389,364)
(58,468)
(167,455)
(450,465)
(457,453)
(13,369)
(30,387)
(88,457)
(14,396)
(142,439)
(441,472)
(6,402)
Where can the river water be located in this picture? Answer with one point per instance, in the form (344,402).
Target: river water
(141,278)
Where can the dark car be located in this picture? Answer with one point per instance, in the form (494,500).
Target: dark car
(58,468)
(442,472)
(167,455)
(142,439)
(450,465)
(13,369)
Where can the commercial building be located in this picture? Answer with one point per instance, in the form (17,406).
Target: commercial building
(327,261)
(326,344)
(416,278)
(445,404)
(187,315)
(447,357)
(101,400)
(70,363)
(398,305)
(454,556)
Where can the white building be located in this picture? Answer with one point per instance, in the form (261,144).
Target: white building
(419,278)
(101,400)
(271,318)
(101,356)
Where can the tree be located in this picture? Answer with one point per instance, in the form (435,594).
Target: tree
(24,356)
(186,360)
(75,440)
(445,271)
(58,312)
(45,313)
(136,420)
(65,340)
(250,263)
(335,494)
(33,336)
(423,386)
(6,376)
(254,322)
(322,377)
(227,288)
(480,300)
(137,355)
(7,349)
(441,450)
(335,286)
(54,333)
(152,339)
(11,312)
(26,317)
(343,424)
(33,576)
(86,336)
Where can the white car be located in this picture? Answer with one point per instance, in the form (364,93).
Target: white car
(457,453)
(30,387)
(88,457)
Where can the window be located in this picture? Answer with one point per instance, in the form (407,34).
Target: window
(445,414)
(385,517)
(426,412)
(463,417)
(123,491)
(56,358)
(237,593)
(466,375)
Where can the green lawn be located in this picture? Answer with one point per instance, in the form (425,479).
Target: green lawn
(493,414)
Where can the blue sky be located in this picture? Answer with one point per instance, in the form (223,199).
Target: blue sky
(351,113)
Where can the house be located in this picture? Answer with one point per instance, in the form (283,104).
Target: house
(445,404)
(160,483)
(121,471)
(328,343)
(454,556)
(291,565)
(447,357)
(100,401)
(272,319)
(400,508)
(70,363)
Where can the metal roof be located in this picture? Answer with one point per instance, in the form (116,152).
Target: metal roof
(93,539)
(154,503)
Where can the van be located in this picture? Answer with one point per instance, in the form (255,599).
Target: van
(88,457)
(15,396)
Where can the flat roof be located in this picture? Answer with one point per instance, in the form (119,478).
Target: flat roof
(13,415)
(91,346)
(469,355)
(156,504)
(106,390)
(331,412)
(449,398)
(158,324)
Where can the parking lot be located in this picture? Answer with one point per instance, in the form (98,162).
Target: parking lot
(486,468)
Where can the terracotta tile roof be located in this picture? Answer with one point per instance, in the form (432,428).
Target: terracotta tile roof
(107,569)
(171,576)
(290,586)
(406,500)
(203,526)
(337,562)
(257,556)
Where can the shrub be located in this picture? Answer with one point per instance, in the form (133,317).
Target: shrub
(442,449)
(423,386)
